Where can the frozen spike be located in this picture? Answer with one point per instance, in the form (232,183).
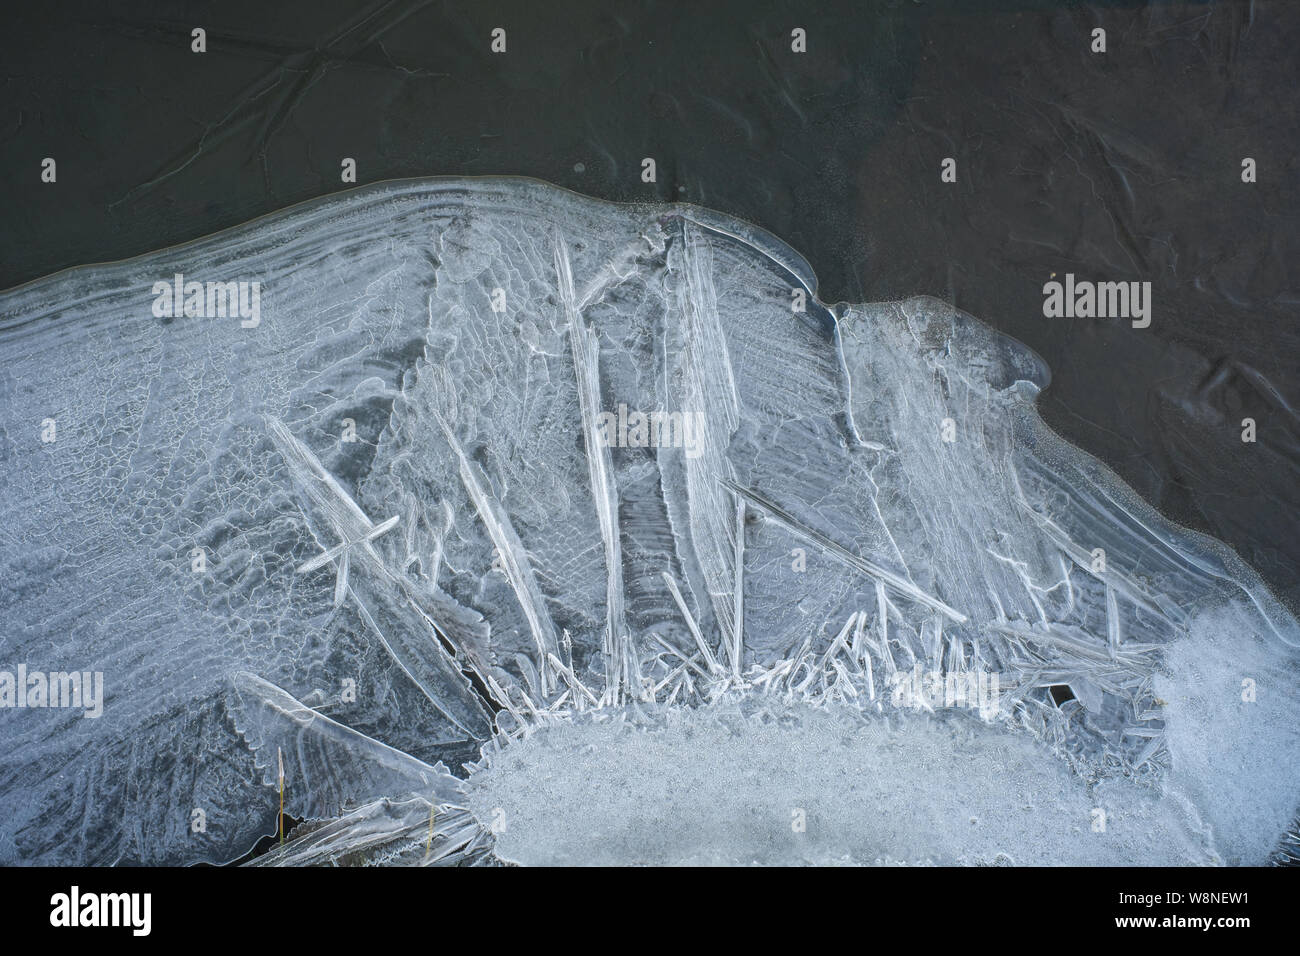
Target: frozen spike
(502,697)
(531,676)
(600,469)
(1083,558)
(675,673)
(380,827)
(813,674)
(838,643)
(797,660)
(307,466)
(771,674)
(386,525)
(513,559)
(410,617)
(1112,621)
(704,383)
(694,628)
(858,649)
(1143,732)
(738,620)
(538,712)
(569,676)
(328,555)
(678,654)
(882,613)
(412,527)
(566,642)
(845,682)
(887,658)
(324,558)
(341,583)
(333,764)
(631,663)
(672,698)
(1130,656)
(436,562)
(843,555)
(956,659)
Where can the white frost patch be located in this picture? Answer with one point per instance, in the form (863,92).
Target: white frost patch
(1235,757)
(716,786)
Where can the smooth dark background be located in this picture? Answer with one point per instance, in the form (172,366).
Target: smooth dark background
(1117,166)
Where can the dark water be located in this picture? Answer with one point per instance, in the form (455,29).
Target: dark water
(1122,166)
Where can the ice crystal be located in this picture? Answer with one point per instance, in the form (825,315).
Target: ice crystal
(602,503)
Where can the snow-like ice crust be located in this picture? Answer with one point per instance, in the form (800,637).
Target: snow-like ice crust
(812,785)
(494,574)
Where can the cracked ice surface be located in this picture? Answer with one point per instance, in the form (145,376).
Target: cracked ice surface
(486,570)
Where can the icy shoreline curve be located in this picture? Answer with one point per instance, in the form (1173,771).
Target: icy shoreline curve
(388,525)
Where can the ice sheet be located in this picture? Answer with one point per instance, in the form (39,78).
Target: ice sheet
(846,496)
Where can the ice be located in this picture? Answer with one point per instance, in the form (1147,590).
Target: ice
(804,785)
(868,497)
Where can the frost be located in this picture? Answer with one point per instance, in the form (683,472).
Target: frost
(618,640)
(810,786)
